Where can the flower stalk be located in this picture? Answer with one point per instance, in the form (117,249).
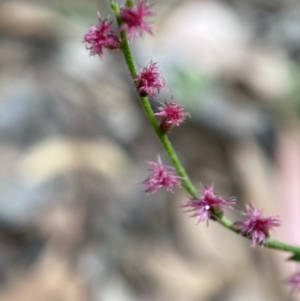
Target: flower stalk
(148,81)
(127,53)
(186,182)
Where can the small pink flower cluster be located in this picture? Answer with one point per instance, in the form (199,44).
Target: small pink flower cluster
(208,205)
(148,82)
(255,226)
(133,19)
(172,113)
(101,36)
(294,281)
(160,176)
(149,79)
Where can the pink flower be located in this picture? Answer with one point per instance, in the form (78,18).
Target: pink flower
(149,79)
(208,205)
(133,19)
(173,114)
(101,36)
(255,226)
(294,281)
(160,176)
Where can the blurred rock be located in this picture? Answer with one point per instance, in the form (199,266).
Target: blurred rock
(204,35)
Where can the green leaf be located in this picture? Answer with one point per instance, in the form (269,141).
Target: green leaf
(295,257)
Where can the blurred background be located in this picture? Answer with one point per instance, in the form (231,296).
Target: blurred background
(75,224)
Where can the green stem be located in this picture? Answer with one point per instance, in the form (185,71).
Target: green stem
(278,245)
(186,182)
(228,224)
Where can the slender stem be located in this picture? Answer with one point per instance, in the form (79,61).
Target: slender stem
(186,182)
(228,224)
(278,245)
